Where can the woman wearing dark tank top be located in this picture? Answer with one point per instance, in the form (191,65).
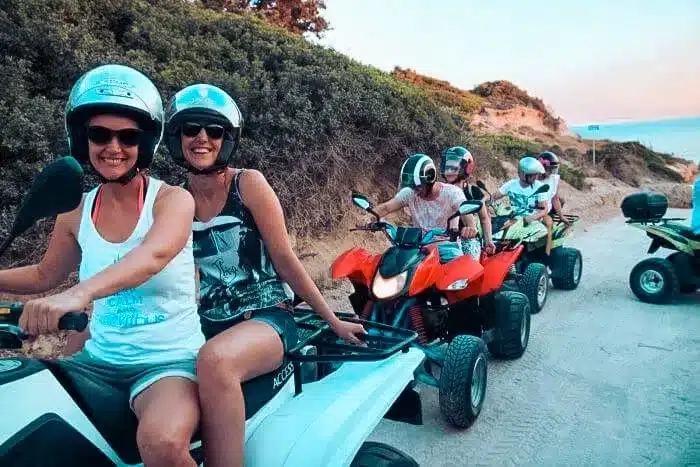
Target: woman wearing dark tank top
(456,167)
(245,258)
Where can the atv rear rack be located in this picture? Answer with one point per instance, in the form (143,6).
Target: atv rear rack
(381,341)
(663,220)
(564,217)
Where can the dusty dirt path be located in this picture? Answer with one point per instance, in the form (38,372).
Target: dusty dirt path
(605,380)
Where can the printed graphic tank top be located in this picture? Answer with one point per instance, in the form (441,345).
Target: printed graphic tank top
(236,274)
(154,322)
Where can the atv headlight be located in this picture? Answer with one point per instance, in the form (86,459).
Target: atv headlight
(388,287)
(458,284)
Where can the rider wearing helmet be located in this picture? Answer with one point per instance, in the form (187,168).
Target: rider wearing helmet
(144,327)
(695,219)
(429,201)
(521,190)
(244,257)
(456,167)
(551,177)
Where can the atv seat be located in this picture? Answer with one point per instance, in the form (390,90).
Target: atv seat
(684,230)
(108,408)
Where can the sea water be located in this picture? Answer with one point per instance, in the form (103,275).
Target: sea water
(678,136)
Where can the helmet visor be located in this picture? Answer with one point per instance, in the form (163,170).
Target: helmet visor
(451,167)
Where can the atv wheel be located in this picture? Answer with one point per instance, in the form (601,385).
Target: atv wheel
(684,271)
(654,280)
(373,454)
(567,265)
(463,380)
(534,283)
(512,325)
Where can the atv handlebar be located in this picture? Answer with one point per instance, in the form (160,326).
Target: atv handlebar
(390,231)
(10,313)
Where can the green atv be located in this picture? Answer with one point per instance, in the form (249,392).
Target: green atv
(531,269)
(661,280)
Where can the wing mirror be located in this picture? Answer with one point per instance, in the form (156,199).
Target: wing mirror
(57,189)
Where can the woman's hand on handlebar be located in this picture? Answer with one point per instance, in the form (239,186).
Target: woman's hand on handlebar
(41,315)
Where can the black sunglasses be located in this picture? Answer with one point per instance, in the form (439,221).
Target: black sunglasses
(102,135)
(192,129)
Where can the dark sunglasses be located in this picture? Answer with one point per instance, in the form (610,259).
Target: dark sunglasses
(192,129)
(102,135)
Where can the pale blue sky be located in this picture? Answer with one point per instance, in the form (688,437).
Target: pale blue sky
(590,61)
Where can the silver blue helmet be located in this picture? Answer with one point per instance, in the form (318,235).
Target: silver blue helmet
(530,166)
(204,103)
(115,89)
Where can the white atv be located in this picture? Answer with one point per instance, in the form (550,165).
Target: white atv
(51,418)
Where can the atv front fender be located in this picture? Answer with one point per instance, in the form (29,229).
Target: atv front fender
(496,269)
(327,423)
(463,267)
(357,264)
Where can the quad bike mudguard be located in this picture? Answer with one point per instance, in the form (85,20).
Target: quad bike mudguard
(327,423)
(463,267)
(357,264)
(671,235)
(494,270)
(427,272)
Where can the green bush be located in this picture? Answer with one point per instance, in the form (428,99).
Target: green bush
(509,146)
(573,176)
(317,123)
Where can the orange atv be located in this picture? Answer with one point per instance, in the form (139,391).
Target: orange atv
(455,306)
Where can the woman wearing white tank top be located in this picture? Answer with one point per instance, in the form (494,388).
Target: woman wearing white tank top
(131,239)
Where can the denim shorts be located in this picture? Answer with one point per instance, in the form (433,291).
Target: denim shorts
(133,379)
(277,317)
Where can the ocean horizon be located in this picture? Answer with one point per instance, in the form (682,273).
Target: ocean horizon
(679,137)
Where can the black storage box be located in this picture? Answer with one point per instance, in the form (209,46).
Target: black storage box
(646,206)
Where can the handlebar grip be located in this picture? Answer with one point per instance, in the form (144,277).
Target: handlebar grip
(73,321)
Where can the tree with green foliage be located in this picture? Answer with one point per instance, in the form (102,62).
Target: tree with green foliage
(296,16)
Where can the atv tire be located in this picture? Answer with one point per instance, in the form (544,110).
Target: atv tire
(654,280)
(373,454)
(463,380)
(567,266)
(512,325)
(534,283)
(684,270)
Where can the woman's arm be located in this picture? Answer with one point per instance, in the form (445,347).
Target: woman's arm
(485,220)
(173,212)
(61,258)
(388,207)
(259,197)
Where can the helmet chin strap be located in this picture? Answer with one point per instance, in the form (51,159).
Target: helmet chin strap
(123,180)
(216,168)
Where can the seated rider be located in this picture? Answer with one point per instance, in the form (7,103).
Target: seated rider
(245,259)
(551,177)
(430,202)
(520,191)
(457,167)
(131,241)
(695,220)
(550,162)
